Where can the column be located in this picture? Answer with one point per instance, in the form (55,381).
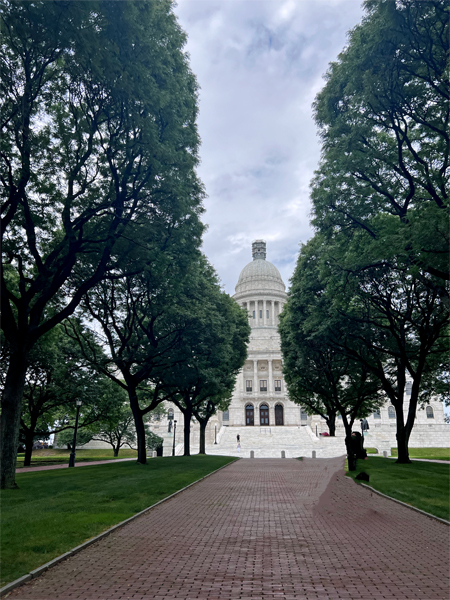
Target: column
(270,387)
(255,375)
(264,312)
(244,389)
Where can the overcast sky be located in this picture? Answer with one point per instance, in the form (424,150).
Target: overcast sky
(259,64)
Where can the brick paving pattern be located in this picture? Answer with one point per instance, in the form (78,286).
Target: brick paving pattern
(258,530)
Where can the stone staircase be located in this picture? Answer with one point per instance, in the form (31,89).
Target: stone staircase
(269,442)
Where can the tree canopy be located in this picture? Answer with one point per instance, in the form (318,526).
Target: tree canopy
(99,110)
(383,117)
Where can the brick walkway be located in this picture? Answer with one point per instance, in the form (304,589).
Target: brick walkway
(262,529)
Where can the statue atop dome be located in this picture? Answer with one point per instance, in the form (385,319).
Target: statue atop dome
(259,249)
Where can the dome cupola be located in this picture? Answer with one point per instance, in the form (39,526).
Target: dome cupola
(259,275)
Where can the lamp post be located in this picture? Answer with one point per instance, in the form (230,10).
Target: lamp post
(174,430)
(215,434)
(74,442)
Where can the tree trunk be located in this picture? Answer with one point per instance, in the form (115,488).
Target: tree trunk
(139,424)
(402,446)
(401,435)
(116,451)
(187,432)
(10,418)
(331,423)
(203,425)
(350,454)
(29,437)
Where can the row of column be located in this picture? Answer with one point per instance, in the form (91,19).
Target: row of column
(256,377)
(265,303)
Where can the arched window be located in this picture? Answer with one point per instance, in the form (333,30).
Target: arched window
(391,412)
(430,413)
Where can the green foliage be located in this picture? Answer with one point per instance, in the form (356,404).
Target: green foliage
(152,440)
(65,438)
(383,117)
(380,204)
(54,511)
(99,141)
(210,351)
(320,374)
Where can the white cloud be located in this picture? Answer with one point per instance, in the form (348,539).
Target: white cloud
(260,64)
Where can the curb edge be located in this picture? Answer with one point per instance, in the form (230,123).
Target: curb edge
(423,512)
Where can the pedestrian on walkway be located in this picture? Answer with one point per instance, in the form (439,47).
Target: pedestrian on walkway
(239,448)
(238,437)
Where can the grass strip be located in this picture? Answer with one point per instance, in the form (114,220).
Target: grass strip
(44,458)
(423,485)
(429,453)
(54,511)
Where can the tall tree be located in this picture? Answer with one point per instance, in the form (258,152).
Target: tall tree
(98,131)
(383,117)
(210,352)
(395,325)
(319,373)
(142,316)
(57,375)
(380,194)
(400,324)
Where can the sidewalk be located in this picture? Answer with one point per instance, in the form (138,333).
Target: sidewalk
(262,529)
(66,465)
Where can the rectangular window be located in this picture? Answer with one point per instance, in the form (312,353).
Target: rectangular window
(267,314)
(254,315)
(408,388)
(263,385)
(278,385)
(377,414)
(260,314)
(248,385)
(303,415)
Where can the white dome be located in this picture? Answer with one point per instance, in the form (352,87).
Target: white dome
(261,275)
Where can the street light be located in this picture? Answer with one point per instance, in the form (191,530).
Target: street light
(174,430)
(74,442)
(215,434)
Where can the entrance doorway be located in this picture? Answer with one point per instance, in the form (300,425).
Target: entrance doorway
(279,417)
(264,414)
(249,415)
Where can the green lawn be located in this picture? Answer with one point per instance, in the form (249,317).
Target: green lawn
(41,458)
(54,511)
(431,453)
(371,451)
(423,485)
